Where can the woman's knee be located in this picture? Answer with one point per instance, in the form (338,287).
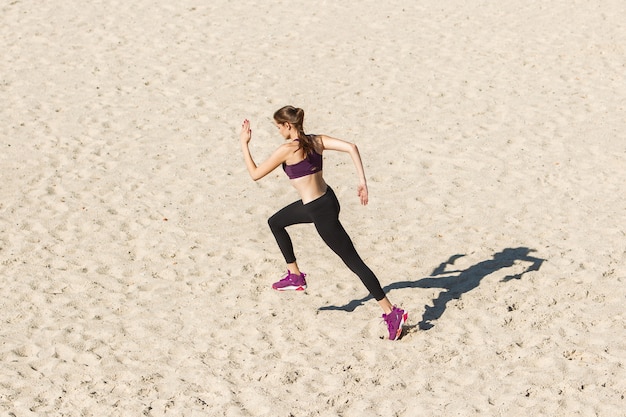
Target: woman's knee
(273,223)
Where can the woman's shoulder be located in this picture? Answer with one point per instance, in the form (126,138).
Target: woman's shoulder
(288,148)
(317,141)
(334,144)
(324,138)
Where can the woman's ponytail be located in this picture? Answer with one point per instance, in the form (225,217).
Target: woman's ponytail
(295,116)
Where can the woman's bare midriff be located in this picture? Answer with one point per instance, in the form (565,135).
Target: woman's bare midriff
(310,187)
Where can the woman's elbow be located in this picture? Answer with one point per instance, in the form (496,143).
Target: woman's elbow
(255,176)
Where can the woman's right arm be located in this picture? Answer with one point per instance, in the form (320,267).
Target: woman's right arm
(259,171)
(334,144)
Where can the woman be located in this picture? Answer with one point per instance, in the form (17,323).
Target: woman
(301,158)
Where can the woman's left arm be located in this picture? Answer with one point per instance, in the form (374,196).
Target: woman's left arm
(334,144)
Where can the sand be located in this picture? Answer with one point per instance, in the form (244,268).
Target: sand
(135,258)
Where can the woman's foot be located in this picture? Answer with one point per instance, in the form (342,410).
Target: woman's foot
(394,320)
(291,282)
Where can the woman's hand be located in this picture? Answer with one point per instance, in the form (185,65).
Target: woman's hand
(362,191)
(246,133)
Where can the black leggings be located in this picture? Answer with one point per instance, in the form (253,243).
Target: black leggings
(323,212)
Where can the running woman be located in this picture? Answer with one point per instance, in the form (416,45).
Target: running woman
(301,158)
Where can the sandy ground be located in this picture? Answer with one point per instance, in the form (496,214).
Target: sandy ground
(135,257)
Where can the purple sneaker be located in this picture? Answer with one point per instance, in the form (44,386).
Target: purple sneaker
(291,282)
(395,319)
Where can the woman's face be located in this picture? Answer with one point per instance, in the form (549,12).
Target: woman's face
(283,129)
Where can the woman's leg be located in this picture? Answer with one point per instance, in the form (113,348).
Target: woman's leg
(325,214)
(292,214)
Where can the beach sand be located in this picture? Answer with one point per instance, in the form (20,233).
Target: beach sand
(135,257)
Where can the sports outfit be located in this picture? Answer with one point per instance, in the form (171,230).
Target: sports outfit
(323,212)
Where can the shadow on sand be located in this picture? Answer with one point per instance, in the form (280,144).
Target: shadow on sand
(455,283)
